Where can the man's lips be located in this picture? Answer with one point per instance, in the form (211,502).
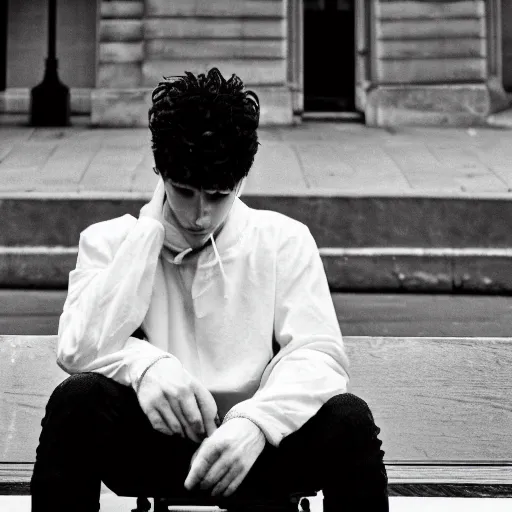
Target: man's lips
(197,231)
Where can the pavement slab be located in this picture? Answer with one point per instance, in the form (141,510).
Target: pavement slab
(20,168)
(68,160)
(322,166)
(111,169)
(277,169)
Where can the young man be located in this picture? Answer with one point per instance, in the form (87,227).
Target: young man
(237,387)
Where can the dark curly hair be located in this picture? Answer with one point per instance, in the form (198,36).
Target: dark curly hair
(204,129)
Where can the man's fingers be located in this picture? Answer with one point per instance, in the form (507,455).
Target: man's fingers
(225,481)
(186,429)
(158,423)
(171,421)
(159,186)
(159,194)
(235,483)
(189,431)
(192,414)
(210,427)
(215,474)
(204,460)
(155,206)
(208,408)
(160,190)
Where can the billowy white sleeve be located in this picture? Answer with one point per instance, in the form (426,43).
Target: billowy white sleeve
(108,297)
(311,366)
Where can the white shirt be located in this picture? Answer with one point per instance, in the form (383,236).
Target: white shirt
(250,315)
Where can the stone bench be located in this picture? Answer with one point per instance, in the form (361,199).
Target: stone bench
(444,406)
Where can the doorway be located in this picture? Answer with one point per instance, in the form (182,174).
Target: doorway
(329,55)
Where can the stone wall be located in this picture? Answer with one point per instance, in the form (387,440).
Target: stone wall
(121,45)
(141,41)
(430,42)
(430,63)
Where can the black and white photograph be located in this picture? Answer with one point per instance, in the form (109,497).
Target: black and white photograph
(255,255)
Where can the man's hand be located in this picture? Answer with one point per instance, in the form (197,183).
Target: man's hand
(154,208)
(224,459)
(176,403)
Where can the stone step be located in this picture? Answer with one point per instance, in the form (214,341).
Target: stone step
(355,221)
(366,269)
(424,243)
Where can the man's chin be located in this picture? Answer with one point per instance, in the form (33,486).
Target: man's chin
(197,241)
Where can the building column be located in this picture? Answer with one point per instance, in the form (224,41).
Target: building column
(295,55)
(119,98)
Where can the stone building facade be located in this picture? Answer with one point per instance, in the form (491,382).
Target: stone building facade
(434,62)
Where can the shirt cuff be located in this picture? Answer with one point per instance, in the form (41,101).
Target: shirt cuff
(234,414)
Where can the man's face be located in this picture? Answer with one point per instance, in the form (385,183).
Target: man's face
(198,212)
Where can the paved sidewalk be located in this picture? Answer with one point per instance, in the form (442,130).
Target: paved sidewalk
(309,159)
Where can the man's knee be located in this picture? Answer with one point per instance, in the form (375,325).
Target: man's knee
(83,384)
(349,405)
(348,412)
(82,389)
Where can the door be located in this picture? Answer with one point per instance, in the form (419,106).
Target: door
(329,55)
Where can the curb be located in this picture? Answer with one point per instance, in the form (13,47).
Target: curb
(442,270)
(36,267)
(418,270)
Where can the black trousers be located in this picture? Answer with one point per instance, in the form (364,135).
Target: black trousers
(94,430)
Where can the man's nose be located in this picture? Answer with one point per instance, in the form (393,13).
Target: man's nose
(203,213)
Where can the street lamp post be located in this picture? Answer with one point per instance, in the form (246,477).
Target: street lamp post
(49,100)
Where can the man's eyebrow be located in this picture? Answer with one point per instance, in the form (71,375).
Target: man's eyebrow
(208,191)
(182,185)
